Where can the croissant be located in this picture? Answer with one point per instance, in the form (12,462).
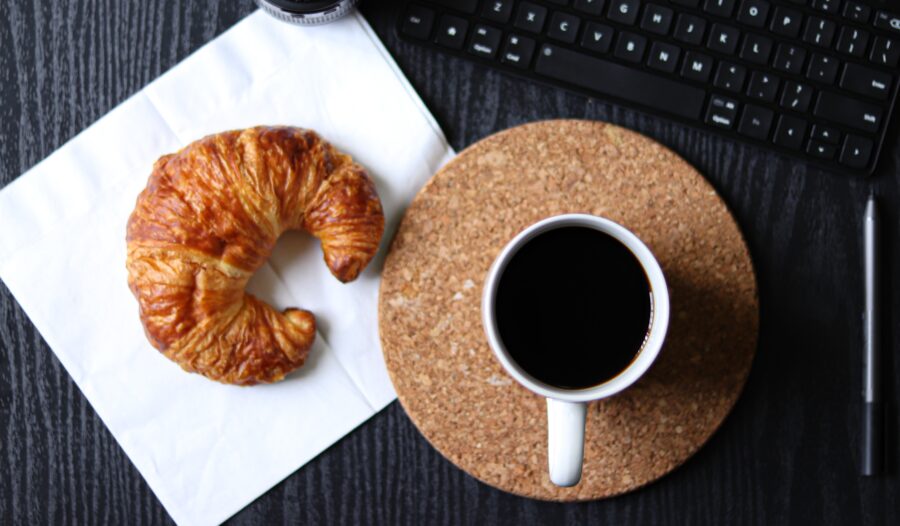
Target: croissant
(210,216)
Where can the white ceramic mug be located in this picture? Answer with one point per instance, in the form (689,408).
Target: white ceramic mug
(567,408)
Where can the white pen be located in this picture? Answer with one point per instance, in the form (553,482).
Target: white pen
(873,414)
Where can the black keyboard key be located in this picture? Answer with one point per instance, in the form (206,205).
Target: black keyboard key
(563,27)
(885,52)
(756,122)
(889,21)
(723,39)
(786,22)
(763,86)
(721,112)
(790,132)
(591,7)
(530,17)
(518,51)
(466,6)
(856,152)
(819,31)
(664,57)
(657,19)
(756,49)
(853,41)
(623,11)
(789,59)
(753,13)
(730,77)
(417,22)
(866,81)
(597,37)
(847,111)
(559,2)
(696,66)
(686,3)
(821,150)
(630,47)
(796,96)
(857,12)
(823,68)
(823,133)
(722,8)
(827,6)
(690,29)
(485,41)
(619,81)
(497,10)
(451,32)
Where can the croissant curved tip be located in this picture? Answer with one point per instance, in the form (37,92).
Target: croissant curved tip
(345,269)
(303,319)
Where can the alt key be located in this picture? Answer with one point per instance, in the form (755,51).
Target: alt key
(485,41)
(722,112)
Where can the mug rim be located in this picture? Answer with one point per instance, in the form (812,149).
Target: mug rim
(656,333)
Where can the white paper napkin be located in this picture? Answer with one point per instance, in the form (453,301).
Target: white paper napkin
(207,449)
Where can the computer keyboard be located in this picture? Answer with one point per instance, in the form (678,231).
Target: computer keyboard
(816,79)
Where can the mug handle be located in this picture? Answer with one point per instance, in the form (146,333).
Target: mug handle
(565,440)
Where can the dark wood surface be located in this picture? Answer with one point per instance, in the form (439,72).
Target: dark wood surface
(787,455)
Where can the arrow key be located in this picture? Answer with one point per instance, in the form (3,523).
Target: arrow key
(822,150)
(790,132)
(856,151)
(824,133)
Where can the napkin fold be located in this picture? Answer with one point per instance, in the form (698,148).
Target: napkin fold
(207,449)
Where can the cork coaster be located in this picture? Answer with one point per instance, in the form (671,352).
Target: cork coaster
(446,376)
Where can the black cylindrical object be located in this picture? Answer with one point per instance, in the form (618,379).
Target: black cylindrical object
(872,457)
(307,12)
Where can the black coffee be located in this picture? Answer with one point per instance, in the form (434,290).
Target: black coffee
(573,307)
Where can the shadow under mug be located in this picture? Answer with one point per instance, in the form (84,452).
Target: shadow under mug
(567,408)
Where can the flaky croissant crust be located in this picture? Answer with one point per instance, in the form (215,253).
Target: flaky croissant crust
(209,218)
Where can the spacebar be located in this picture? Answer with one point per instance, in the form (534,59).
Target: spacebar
(612,79)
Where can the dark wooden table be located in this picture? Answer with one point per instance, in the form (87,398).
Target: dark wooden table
(787,454)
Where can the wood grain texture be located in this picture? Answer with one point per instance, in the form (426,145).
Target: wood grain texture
(787,454)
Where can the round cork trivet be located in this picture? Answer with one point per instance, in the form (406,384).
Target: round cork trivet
(446,376)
